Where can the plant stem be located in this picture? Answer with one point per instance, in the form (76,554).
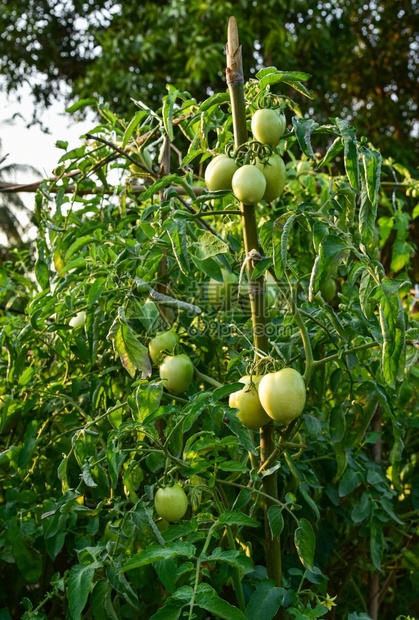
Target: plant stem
(209,380)
(235,81)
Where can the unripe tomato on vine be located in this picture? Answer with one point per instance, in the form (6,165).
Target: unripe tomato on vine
(268,126)
(283,395)
(275,175)
(219,173)
(162,343)
(249,184)
(246,400)
(177,372)
(171,503)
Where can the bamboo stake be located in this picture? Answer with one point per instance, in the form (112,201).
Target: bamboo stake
(235,81)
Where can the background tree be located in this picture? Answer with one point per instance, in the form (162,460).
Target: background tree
(362,55)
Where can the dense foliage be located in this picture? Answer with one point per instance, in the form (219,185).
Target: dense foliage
(128,242)
(142,46)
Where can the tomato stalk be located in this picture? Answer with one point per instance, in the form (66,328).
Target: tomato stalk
(235,81)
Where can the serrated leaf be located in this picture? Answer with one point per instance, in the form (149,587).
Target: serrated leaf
(304,127)
(83,103)
(79,582)
(362,509)
(208,599)
(133,354)
(236,517)
(393,328)
(372,171)
(136,119)
(275,520)
(376,545)
(331,253)
(350,152)
(216,99)
(334,149)
(367,217)
(305,542)
(265,601)
(154,553)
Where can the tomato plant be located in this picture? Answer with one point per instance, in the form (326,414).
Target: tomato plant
(283,395)
(268,126)
(278,513)
(219,173)
(171,503)
(249,184)
(162,344)
(246,400)
(177,373)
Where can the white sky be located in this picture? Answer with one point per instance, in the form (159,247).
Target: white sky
(31,145)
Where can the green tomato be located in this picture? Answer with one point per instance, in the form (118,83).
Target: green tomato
(219,173)
(283,395)
(177,371)
(268,126)
(246,400)
(328,290)
(162,344)
(171,503)
(275,174)
(79,319)
(221,295)
(249,184)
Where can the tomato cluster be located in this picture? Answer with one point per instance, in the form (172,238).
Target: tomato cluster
(278,396)
(261,180)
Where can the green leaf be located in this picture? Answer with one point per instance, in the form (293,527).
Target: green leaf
(101,602)
(81,242)
(136,119)
(275,520)
(305,542)
(208,599)
(280,236)
(168,106)
(28,560)
(95,290)
(79,582)
(42,273)
(82,103)
(337,424)
(332,252)
(393,329)
(236,517)
(171,610)
(304,127)
(334,149)
(376,545)
(215,100)
(362,510)
(292,75)
(155,552)
(226,390)
(372,172)
(265,601)
(367,217)
(242,432)
(350,480)
(132,353)
(210,246)
(350,152)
